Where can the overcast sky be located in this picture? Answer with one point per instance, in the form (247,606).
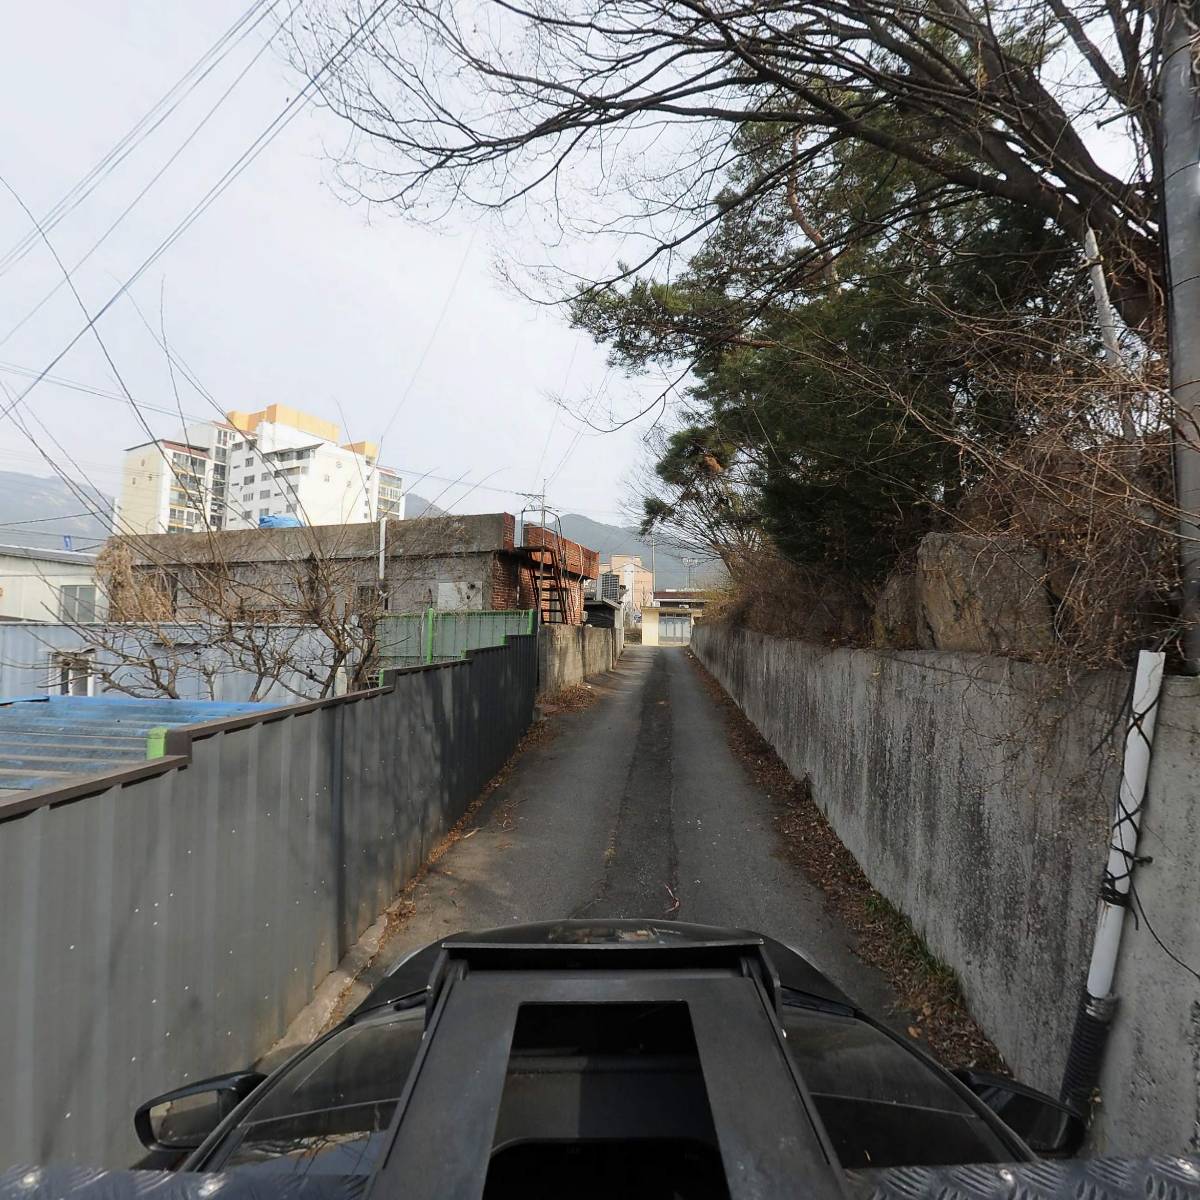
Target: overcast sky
(280,292)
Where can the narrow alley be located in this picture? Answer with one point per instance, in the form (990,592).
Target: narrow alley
(635,807)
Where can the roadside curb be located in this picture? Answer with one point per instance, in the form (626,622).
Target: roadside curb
(313,1018)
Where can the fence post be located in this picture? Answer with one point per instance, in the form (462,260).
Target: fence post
(156,742)
(429,613)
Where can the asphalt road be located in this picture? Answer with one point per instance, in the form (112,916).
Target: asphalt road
(636,807)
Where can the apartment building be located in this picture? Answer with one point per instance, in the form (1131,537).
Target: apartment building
(391,494)
(636,579)
(230,474)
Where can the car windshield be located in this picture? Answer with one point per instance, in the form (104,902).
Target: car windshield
(881,1104)
(330,1112)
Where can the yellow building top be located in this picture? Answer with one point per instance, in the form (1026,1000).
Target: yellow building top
(282,414)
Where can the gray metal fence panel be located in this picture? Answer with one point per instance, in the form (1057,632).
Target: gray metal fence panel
(171,927)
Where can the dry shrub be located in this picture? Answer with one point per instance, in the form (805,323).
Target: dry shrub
(1087,480)
(770,594)
(1102,518)
(132,595)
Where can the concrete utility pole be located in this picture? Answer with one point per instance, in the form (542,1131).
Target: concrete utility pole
(1181,204)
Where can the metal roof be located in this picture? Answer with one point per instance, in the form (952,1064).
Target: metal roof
(48,741)
(79,557)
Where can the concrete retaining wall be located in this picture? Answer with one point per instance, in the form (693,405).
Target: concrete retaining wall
(975,792)
(568,654)
(169,926)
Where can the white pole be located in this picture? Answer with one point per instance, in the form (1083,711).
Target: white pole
(1118,872)
(1098,1003)
(1108,323)
(382,548)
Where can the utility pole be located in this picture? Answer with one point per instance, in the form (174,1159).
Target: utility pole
(1181,205)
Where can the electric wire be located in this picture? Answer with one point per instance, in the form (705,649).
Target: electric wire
(137,199)
(273,129)
(141,129)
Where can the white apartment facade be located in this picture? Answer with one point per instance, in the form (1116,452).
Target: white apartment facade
(230,474)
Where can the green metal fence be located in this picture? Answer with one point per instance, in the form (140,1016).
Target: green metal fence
(412,639)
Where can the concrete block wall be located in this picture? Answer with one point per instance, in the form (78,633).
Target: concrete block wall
(568,654)
(975,793)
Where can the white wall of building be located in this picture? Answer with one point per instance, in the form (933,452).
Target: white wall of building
(32,583)
(54,659)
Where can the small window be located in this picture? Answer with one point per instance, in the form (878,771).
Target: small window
(264,512)
(72,674)
(248,479)
(246,516)
(265,495)
(78,602)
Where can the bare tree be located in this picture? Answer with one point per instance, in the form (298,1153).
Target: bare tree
(1007,99)
(300,614)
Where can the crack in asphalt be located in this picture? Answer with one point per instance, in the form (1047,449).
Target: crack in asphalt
(641,860)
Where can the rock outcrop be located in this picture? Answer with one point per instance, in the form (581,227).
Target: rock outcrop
(983,595)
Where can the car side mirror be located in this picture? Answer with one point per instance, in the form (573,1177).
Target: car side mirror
(183,1118)
(1047,1126)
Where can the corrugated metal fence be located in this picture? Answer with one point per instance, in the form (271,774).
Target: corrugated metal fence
(406,639)
(170,924)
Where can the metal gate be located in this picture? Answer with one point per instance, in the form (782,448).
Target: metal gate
(674,630)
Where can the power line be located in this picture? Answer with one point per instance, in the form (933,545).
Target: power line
(437,325)
(141,129)
(273,129)
(42,520)
(187,141)
(75,385)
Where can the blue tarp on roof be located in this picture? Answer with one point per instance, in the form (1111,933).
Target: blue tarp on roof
(49,740)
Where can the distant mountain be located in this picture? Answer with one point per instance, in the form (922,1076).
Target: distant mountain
(40,512)
(670,571)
